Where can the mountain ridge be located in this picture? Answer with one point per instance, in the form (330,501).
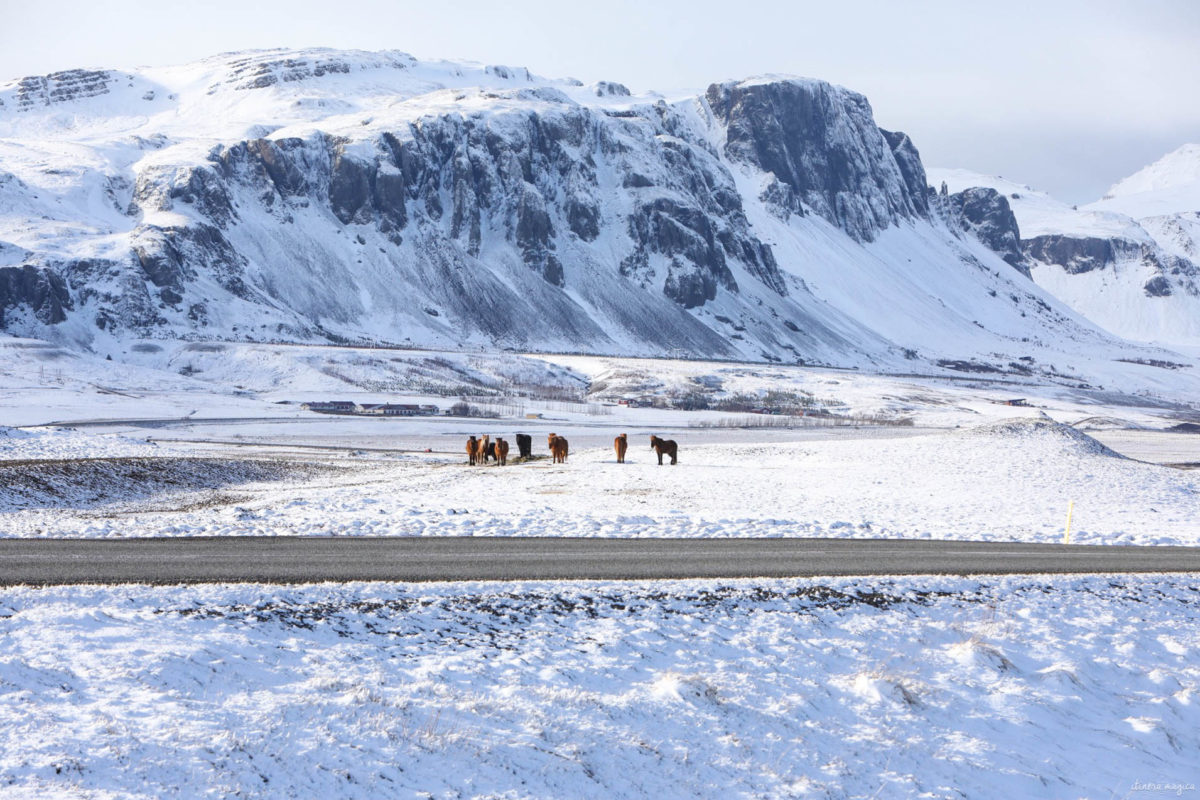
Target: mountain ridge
(1129,261)
(325,195)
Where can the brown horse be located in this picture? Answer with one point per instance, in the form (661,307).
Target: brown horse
(472,445)
(664,446)
(558,448)
(621,444)
(481,449)
(501,452)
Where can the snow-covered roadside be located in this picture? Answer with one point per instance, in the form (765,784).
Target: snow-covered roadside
(1012,481)
(939,687)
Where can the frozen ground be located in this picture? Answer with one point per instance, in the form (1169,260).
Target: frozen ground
(1004,481)
(966,469)
(934,687)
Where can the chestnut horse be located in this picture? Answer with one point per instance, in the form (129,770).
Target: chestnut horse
(481,449)
(501,452)
(472,447)
(558,448)
(621,444)
(664,446)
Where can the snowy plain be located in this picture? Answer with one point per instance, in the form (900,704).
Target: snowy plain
(952,462)
(919,687)
(1029,686)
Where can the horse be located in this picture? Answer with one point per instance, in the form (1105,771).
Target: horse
(472,444)
(501,452)
(621,444)
(525,445)
(558,448)
(481,448)
(667,446)
(491,452)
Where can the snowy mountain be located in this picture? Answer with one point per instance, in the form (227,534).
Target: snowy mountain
(320,195)
(1130,261)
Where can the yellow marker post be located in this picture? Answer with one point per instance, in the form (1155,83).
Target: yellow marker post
(1067,532)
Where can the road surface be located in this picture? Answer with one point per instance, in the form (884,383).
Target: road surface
(314,559)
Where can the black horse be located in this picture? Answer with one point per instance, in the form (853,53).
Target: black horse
(525,445)
(664,447)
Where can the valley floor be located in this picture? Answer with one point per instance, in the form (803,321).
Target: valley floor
(1011,480)
(1029,686)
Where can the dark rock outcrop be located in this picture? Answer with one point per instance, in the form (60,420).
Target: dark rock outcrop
(611,89)
(40,290)
(986,214)
(821,143)
(1158,286)
(1077,254)
(59,87)
(908,159)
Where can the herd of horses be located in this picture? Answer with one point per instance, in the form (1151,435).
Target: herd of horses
(481,448)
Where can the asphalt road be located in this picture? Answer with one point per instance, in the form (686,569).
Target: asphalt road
(315,559)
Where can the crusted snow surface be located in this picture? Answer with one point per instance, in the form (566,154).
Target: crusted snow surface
(934,687)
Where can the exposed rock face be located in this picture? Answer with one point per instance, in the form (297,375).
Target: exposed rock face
(256,73)
(41,291)
(59,87)
(909,160)
(1077,254)
(826,154)
(986,214)
(611,89)
(1158,286)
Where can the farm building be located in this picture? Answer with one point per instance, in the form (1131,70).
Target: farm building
(396,409)
(331,406)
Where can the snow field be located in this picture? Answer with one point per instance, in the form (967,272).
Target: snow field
(1007,482)
(935,687)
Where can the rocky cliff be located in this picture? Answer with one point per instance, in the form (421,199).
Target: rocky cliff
(985,214)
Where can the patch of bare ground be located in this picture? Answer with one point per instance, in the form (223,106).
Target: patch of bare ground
(92,483)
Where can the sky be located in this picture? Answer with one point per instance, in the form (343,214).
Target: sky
(1065,95)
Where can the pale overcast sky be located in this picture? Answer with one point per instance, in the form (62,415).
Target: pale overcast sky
(1066,95)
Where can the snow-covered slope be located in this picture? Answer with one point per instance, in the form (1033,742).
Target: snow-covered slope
(326,195)
(1168,186)
(1129,262)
